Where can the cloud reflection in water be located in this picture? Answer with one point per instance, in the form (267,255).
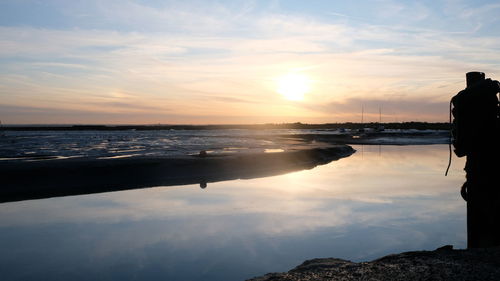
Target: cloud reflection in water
(379,200)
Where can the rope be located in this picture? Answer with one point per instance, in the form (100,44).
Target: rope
(449,145)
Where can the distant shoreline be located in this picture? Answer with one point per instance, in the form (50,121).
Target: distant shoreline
(270,126)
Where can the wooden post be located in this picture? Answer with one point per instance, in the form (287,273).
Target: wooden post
(476,131)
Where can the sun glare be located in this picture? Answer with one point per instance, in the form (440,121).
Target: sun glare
(293,86)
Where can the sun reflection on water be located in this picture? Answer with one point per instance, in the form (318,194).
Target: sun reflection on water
(386,199)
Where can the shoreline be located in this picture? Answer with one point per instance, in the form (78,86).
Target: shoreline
(25,180)
(267,126)
(53,176)
(444,263)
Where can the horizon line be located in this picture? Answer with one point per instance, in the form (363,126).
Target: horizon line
(210,124)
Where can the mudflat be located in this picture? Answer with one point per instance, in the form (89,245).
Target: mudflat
(24,180)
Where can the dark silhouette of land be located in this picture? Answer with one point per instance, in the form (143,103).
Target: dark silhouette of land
(43,179)
(297,125)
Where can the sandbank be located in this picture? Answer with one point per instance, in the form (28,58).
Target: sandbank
(24,180)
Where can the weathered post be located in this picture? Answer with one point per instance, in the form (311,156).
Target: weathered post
(475,133)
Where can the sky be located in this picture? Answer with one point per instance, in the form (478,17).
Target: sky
(235,62)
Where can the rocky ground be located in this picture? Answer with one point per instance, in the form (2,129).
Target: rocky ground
(441,264)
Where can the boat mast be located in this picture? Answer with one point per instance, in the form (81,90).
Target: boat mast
(362,113)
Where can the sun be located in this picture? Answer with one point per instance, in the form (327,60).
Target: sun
(293,86)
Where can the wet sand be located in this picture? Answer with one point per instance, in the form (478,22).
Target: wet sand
(24,180)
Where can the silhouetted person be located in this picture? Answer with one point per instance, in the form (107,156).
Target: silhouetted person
(476,135)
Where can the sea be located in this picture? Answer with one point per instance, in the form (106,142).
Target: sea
(383,199)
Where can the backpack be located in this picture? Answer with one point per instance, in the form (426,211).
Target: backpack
(475,113)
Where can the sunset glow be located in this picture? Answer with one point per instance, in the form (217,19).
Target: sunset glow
(198,62)
(293,86)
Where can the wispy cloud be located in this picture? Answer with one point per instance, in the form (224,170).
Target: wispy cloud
(392,110)
(170,53)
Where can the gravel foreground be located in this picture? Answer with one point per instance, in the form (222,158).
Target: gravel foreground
(445,263)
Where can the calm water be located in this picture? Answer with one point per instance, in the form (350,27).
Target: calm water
(380,200)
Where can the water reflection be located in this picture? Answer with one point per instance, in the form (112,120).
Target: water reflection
(357,208)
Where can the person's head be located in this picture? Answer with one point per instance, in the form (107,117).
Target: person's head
(474,77)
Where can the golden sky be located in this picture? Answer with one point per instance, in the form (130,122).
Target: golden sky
(230,62)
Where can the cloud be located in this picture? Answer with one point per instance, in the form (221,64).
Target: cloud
(231,99)
(393,109)
(193,56)
(485,11)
